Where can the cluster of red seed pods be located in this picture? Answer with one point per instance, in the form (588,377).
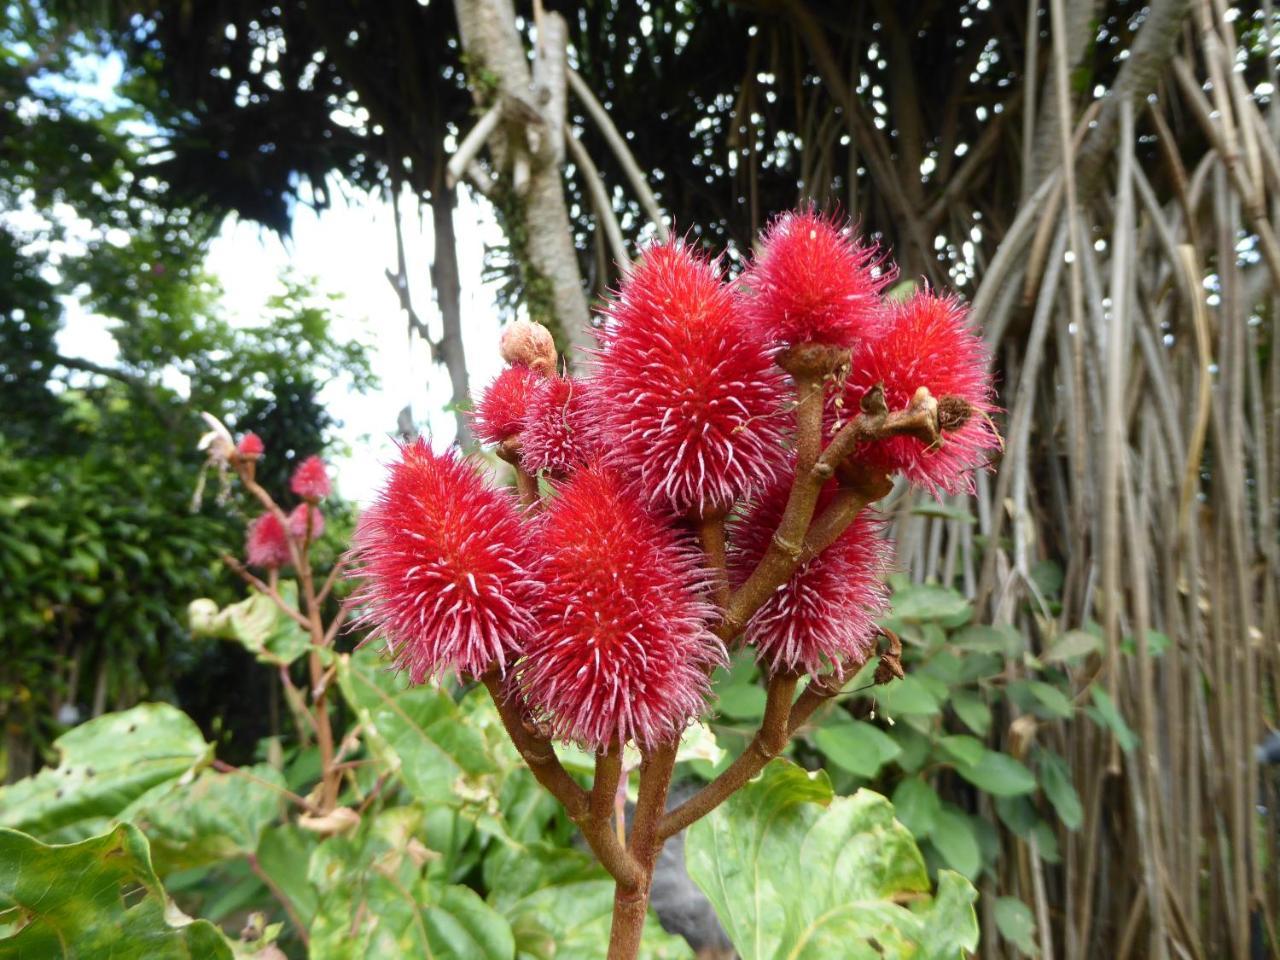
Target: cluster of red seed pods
(595,603)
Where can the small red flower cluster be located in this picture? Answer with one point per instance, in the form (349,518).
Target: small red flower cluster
(267,538)
(593,600)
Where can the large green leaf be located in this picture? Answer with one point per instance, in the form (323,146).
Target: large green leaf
(998,774)
(375,900)
(284,852)
(927,601)
(560,905)
(217,817)
(417,731)
(795,872)
(103,766)
(857,747)
(99,898)
(256,623)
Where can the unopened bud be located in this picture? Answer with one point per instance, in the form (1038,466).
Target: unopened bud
(528,344)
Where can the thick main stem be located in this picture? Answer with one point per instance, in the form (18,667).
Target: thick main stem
(631,900)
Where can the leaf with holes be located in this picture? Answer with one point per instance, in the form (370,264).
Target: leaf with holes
(96,898)
(103,766)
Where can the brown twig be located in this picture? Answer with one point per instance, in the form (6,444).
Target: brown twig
(266,589)
(223,767)
(791,545)
(537,751)
(769,741)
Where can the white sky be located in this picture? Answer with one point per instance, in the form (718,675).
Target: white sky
(346,249)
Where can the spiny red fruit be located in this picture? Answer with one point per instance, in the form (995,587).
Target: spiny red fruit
(690,401)
(827,610)
(265,544)
(311,479)
(558,434)
(442,559)
(812,282)
(502,407)
(250,445)
(621,651)
(298,522)
(928,344)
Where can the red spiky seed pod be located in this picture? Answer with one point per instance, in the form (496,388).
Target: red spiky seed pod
(812,282)
(621,650)
(442,555)
(690,401)
(827,610)
(250,445)
(558,435)
(928,344)
(501,410)
(265,544)
(310,479)
(298,522)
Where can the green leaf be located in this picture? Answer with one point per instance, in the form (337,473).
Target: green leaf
(857,747)
(999,775)
(981,638)
(96,898)
(954,838)
(927,601)
(962,748)
(283,854)
(1072,645)
(1054,701)
(257,624)
(1017,925)
(1055,779)
(218,817)
(559,903)
(741,701)
(103,766)
(972,711)
(376,902)
(917,805)
(793,871)
(1107,715)
(416,731)
(906,696)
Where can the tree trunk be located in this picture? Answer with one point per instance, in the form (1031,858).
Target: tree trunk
(448,292)
(528,154)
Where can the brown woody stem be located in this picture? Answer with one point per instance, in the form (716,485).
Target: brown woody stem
(631,900)
(791,544)
(769,741)
(711,535)
(537,751)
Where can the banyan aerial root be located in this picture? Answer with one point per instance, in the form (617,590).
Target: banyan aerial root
(698,484)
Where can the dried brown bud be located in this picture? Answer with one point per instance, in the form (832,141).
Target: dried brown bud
(953,413)
(528,344)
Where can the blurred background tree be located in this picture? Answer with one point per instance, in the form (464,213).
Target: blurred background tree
(100,547)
